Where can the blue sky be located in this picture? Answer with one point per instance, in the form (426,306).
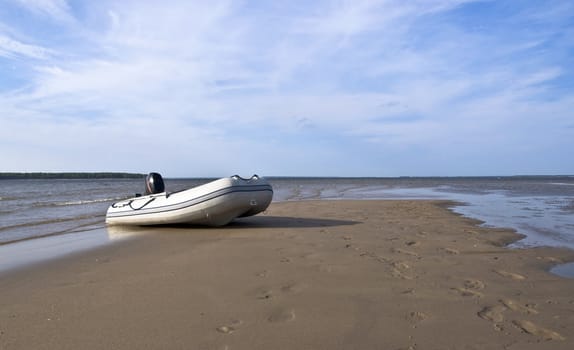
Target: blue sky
(309,88)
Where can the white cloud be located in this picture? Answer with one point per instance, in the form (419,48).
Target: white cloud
(11,48)
(222,76)
(54,9)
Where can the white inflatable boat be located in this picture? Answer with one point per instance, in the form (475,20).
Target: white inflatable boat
(214,204)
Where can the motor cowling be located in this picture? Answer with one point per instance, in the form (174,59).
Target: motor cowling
(154,184)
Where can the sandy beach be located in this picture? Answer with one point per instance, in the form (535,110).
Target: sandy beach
(303,275)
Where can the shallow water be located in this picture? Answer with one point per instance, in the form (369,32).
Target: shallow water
(542,208)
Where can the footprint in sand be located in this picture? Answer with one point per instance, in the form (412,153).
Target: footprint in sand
(413,243)
(368,254)
(474,284)
(381,259)
(374,256)
(531,328)
(281,315)
(398,274)
(492,313)
(400,265)
(398,269)
(516,306)
(450,251)
(263,273)
(405,252)
(232,327)
(416,317)
(511,275)
(263,294)
(465,292)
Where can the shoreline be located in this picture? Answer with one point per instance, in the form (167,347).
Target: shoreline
(305,274)
(14,254)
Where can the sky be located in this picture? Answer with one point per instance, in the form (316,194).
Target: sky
(288,88)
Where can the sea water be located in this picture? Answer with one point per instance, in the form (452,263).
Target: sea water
(539,207)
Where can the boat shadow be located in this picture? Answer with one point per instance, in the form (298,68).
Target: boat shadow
(286,222)
(248,223)
(268,222)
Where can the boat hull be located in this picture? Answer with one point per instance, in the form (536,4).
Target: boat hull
(214,204)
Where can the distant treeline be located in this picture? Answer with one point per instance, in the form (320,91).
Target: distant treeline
(103,175)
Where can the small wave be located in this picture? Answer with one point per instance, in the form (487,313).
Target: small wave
(76,202)
(89,201)
(52,221)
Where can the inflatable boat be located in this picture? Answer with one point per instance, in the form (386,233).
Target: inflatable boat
(214,204)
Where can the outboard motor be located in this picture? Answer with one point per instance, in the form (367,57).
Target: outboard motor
(154,184)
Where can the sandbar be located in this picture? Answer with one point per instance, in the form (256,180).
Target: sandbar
(302,275)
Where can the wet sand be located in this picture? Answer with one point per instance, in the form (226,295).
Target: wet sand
(304,275)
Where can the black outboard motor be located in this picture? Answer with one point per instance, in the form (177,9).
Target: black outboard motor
(154,184)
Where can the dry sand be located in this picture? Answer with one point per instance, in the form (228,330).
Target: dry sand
(304,275)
